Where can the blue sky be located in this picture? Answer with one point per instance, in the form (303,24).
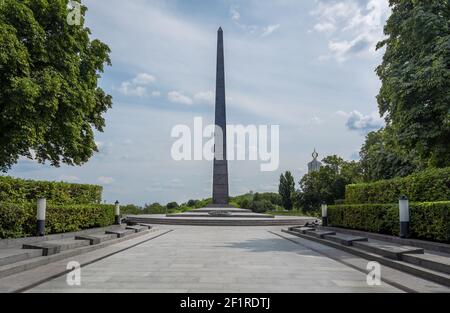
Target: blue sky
(307,66)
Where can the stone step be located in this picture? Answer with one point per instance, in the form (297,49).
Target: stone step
(14,255)
(56,246)
(145,225)
(95,239)
(219,208)
(346,240)
(229,215)
(431,261)
(319,233)
(215,222)
(27,264)
(137,228)
(301,229)
(391,251)
(120,232)
(425,273)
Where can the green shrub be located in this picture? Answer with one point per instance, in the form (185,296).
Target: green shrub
(154,208)
(429,185)
(15,190)
(428,220)
(19,220)
(246,201)
(261,206)
(172,206)
(130,209)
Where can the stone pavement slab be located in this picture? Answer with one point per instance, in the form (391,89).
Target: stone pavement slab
(217,259)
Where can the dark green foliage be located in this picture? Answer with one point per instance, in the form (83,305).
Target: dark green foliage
(381,158)
(328,184)
(415,76)
(261,206)
(19,220)
(154,208)
(428,220)
(429,185)
(286,189)
(50,102)
(172,206)
(130,209)
(258,202)
(191,203)
(15,190)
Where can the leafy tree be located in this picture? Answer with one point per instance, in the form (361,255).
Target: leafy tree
(50,103)
(154,208)
(327,184)
(415,75)
(192,203)
(172,206)
(286,189)
(261,206)
(382,159)
(130,209)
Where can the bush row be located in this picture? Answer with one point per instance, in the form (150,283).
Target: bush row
(428,220)
(429,185)
(16,190)
(19,220)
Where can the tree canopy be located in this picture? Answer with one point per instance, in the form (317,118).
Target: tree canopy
(327,184)
(286,189)
(50,102)
(381,158)
(415,75)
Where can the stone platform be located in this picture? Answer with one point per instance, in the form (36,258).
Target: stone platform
(219,217)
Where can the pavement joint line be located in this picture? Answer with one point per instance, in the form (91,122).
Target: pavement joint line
(387,281)
(47,279)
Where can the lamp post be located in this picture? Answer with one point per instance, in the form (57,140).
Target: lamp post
(324,214)
(40,216)
(403,204)
(117,213)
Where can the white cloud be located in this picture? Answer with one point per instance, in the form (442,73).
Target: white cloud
(106,180)
(137,86)
(316,120)
(68,178)
(156,94)
(325,27)
(362,123)
(144,79)
(128,89)
(252,29)
(178,97)
(104,148)
(207,97)
(354,29)
(235,15)
(269,30)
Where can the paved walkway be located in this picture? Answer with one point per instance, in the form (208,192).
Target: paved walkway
(217,259)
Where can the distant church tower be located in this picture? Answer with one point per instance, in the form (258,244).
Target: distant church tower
(314,165)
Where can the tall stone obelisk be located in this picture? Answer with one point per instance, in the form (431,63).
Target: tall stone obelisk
(220,170)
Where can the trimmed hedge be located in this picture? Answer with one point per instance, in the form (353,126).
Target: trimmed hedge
(429,185)
(428,220)
(16,190)
(19,220)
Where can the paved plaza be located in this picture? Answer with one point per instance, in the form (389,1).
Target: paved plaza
(218,259)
